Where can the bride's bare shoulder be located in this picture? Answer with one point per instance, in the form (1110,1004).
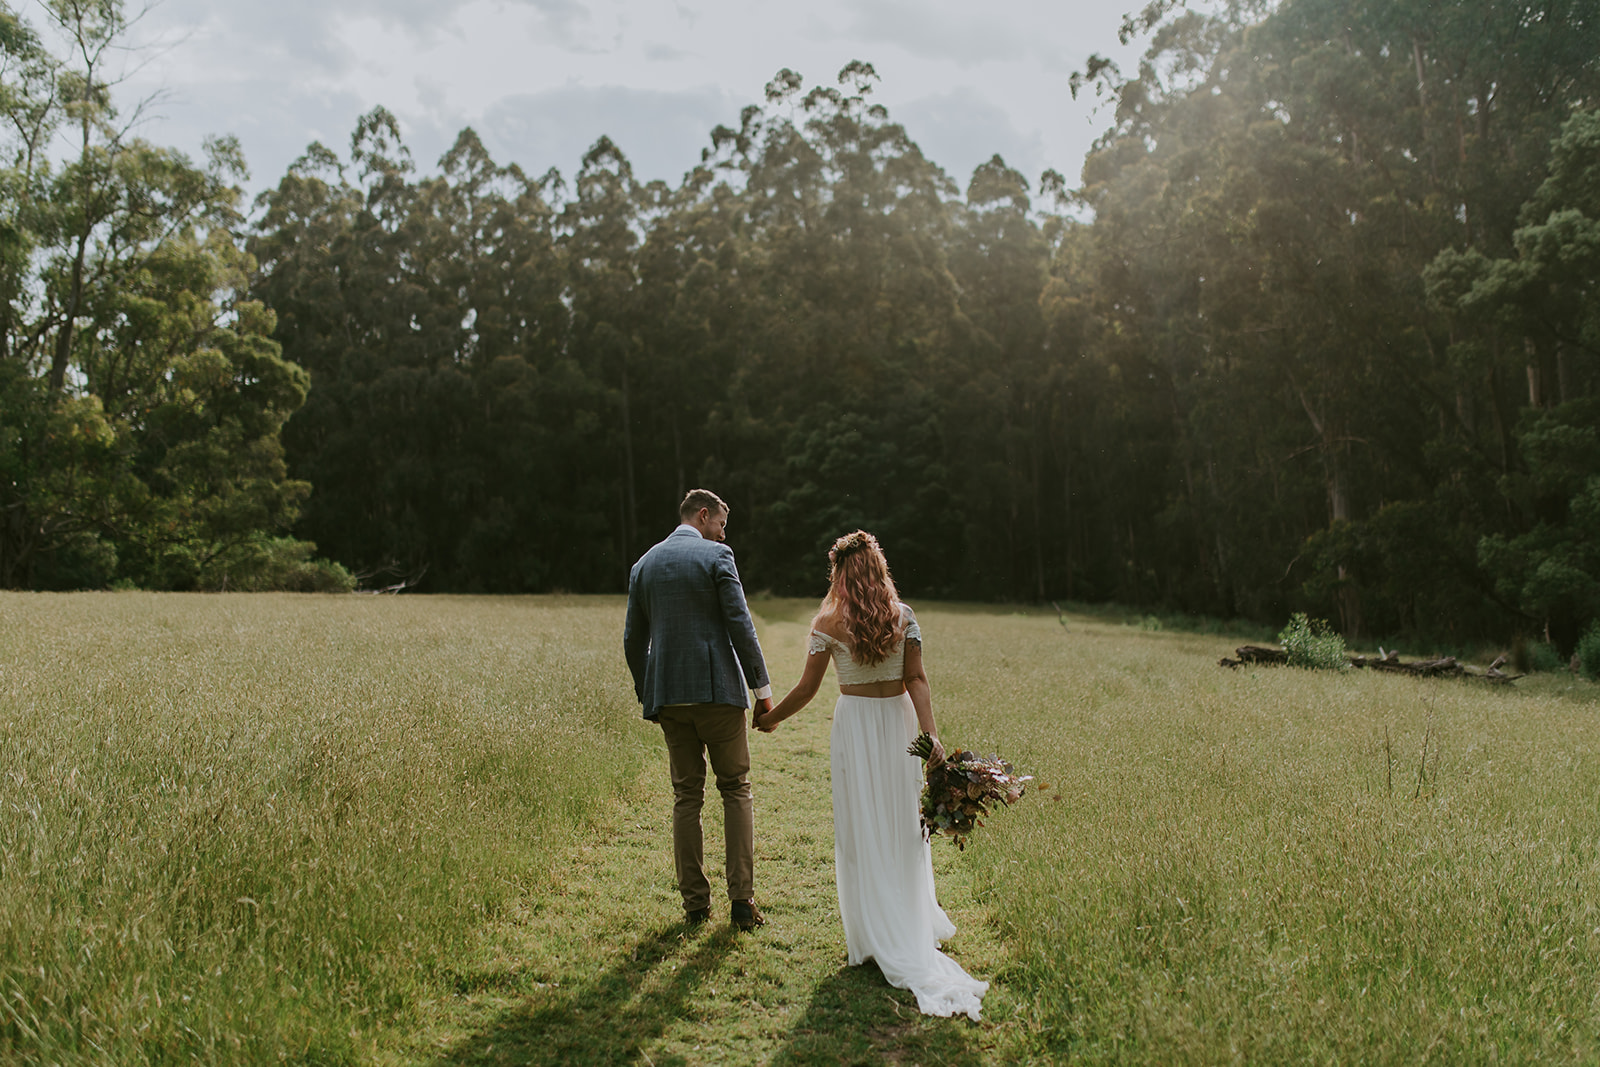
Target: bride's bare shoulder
(829,623)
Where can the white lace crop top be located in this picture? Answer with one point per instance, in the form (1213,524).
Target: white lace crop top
(893,667)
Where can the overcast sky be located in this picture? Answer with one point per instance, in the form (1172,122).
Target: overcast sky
(541,80)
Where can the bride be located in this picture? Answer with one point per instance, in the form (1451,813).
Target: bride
(882,863)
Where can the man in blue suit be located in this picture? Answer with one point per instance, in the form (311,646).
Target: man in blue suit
(692,650)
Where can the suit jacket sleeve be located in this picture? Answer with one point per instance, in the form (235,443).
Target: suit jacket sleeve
(736,616)
(636,634)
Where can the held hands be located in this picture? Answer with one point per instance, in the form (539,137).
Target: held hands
(763,707)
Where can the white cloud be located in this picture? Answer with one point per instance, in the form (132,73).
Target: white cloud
(542,79)
(961,129)
(964,35)
(665,53)
(661,133)
(273,126)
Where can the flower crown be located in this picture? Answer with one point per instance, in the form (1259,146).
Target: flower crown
(851,543)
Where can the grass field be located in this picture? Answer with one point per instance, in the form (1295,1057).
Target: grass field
(432,830)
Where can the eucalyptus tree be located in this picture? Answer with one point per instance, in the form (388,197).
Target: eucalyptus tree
(430,314)
(1000,411)
(143,395)
(1081,393)
(1224,388)
(1274,186)
(695,314)
(1547,290)
(600,236)
(1448,114)
(1180,257)
(850,308)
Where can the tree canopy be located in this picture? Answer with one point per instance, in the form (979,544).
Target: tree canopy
(141,392)
(1315,331)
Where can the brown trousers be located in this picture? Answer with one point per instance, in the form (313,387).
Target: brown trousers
(694,731)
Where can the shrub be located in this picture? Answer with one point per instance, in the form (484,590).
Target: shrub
(1589,652)
(1530,656)
(1313,643)
(1542,656)
(281,564)
(1521,655)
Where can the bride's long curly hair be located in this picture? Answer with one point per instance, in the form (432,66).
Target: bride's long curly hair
(863,597)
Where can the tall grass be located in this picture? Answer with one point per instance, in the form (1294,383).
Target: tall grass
(266,828)
(250,829)
(1274,865)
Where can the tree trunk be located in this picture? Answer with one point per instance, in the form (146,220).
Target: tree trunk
(1038,523)
(1347,599)
(1224,585)
(1066,520)
(62,355)
(630,516)
(1348,603)
(1422,110)
(69,317)
(1502,423)
(1535,376)
(1133,561)
(677,456)
(14,546)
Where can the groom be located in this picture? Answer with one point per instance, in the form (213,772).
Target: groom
(688,639)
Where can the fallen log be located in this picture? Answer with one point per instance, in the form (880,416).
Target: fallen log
(1254,654)
(1442,667)
(1495,674)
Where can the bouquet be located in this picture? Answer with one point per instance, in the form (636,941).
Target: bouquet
(959,791)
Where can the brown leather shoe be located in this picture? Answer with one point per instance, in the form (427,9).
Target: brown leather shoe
(697,917)
(746,916)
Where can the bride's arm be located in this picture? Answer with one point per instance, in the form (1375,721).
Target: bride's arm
(806,688)
(922,698)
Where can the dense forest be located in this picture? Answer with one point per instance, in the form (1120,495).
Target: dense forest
(1317,329)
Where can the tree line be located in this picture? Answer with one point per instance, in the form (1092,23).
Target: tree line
(1316,331)
(141,391)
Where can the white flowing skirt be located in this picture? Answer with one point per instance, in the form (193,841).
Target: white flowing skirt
(882,865)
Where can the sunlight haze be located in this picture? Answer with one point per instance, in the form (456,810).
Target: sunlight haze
(541,80)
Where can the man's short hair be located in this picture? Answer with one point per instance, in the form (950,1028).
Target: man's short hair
(701,498)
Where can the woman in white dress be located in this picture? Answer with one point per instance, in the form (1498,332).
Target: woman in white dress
(883,865)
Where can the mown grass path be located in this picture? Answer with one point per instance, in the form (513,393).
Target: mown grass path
(597,967)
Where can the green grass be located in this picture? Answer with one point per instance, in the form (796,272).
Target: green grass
(258,829)
(596,967)
(1264,866)
(247,828)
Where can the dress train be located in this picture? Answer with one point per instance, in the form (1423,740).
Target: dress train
(882,865)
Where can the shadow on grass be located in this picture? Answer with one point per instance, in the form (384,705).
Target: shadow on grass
(855,1017)
(607,1019)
